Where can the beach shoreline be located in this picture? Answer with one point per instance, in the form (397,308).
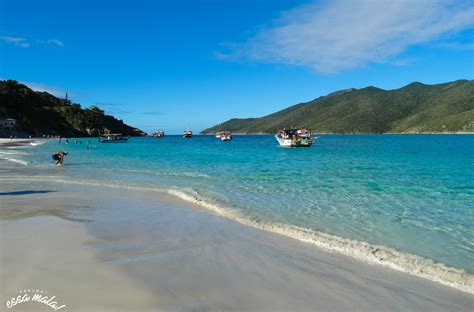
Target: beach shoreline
(187,259)
(360,251)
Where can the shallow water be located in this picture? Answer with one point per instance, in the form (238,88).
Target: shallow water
(413,193)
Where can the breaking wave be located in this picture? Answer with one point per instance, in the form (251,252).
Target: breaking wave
(363,251)
(8,151)
(18,161)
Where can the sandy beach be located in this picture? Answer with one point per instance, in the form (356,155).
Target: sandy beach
(247,156)
(112,249)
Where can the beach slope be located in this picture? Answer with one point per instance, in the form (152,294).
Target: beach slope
(100,249)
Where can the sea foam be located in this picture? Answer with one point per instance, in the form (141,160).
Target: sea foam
(363,251)
(8,151)
(18,161)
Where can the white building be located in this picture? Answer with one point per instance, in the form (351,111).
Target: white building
(7,125)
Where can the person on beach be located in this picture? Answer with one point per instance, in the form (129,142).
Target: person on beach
(59,157)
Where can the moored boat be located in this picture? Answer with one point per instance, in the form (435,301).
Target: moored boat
(187,134)
(113,138)
(294,137)
(158,134)
(224,135)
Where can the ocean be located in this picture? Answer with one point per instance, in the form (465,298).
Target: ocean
(413,194)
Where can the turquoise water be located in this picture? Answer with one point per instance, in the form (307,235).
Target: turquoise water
(414,193)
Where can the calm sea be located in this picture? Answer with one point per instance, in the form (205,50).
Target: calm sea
(413,193)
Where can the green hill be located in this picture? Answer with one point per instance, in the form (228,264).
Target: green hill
(415,108)
(40,113)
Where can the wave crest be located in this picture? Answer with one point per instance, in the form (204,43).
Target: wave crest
(18,161)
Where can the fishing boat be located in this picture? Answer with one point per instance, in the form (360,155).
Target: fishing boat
(158,134)
(187,134)
(224,135)
(294,137)
(113,138)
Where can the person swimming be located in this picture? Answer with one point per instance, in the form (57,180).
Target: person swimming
(59,157)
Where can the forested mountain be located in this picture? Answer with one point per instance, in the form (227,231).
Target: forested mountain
(415,108)
(40,113)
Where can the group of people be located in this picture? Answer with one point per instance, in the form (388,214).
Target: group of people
(59,156)
(89,144)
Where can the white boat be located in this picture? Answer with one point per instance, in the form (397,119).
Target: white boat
(187,134)
(224,135)
(294,137)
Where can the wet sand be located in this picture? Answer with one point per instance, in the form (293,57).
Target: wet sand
(112,249)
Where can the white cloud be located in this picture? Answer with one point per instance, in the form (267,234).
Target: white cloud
(19,42)
(26,43)
(332,36)
(56,42)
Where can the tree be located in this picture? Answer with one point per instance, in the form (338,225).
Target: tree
(96,109)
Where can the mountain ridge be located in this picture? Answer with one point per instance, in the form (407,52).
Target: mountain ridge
(413,108)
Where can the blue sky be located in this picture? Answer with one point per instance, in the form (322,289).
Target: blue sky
(167,64)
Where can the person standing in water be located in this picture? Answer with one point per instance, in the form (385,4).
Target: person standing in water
(59,157)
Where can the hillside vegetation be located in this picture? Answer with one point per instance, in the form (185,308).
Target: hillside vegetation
(40,113)
(415,108)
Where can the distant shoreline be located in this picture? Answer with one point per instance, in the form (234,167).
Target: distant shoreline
(7,141)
